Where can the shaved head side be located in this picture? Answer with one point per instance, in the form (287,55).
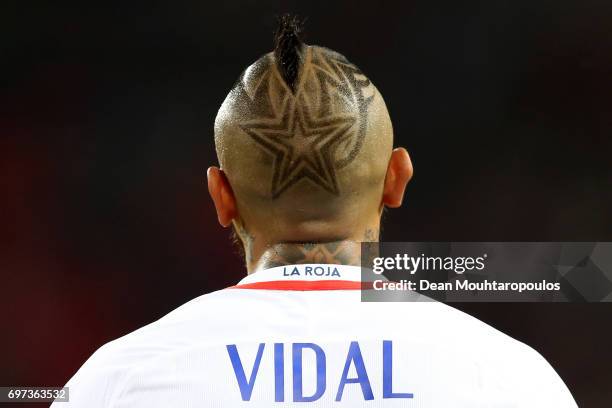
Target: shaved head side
(304,139)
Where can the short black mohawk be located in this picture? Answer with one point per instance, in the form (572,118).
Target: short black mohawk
(288,48)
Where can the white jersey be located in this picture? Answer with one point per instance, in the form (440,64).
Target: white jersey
(287,337)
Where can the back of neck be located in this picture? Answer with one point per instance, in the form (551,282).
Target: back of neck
(333,252)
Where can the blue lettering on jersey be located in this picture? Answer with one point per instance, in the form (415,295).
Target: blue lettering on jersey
(246,387)
(298,392)
(388,373)
(279,372)
(294,272)
(306,270)
(354,357)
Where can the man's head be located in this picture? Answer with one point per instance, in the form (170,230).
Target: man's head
(304,141)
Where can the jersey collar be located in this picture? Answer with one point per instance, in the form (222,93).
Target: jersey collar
(304,277)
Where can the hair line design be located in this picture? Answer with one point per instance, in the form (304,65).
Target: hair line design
(301,132)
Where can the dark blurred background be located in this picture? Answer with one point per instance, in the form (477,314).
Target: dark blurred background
(106,130)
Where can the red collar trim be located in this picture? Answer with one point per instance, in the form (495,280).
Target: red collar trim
(304,285)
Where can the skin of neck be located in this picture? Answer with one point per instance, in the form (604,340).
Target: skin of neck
(262,253)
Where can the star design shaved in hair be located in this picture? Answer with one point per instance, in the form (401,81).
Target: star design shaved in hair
(312,129)
(302,146)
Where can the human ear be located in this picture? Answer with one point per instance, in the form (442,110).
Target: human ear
(399,173)
(222,195)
